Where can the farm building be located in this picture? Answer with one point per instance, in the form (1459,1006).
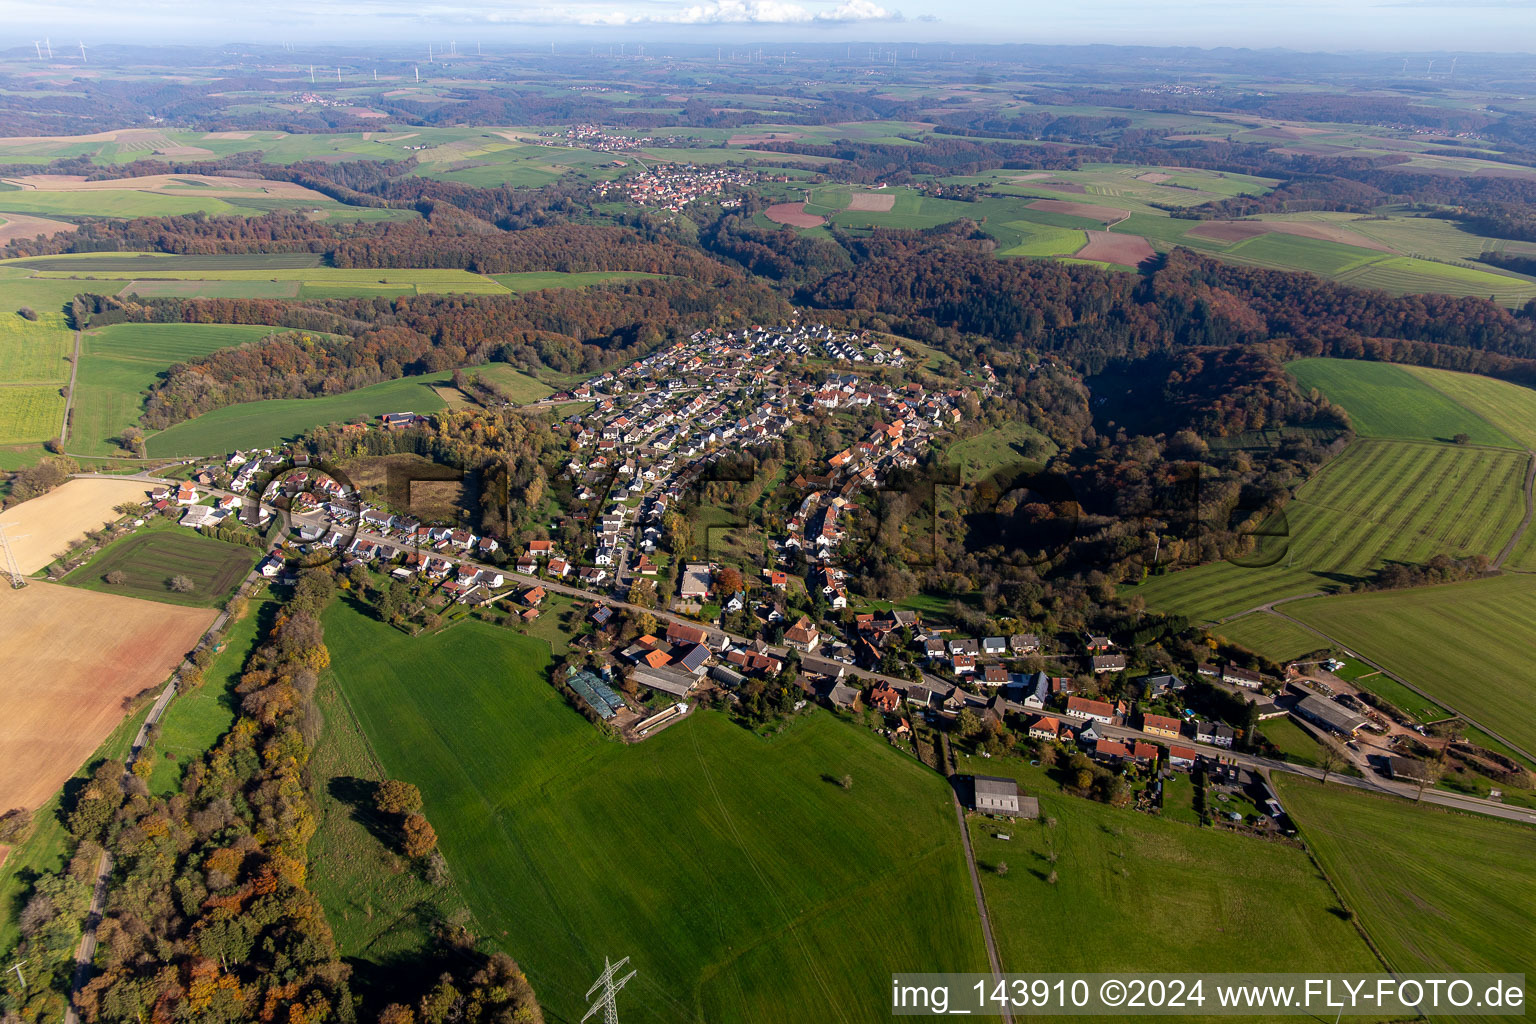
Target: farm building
(1330,715)
(667,679)
(993,795)
(1407,769)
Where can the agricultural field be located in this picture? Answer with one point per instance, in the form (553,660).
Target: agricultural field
(1379,501)
(118,365)
(73,657)
(1449,891)
(1270,635)
(35,350)
(1387,400)
(1292,740)
(43,527)
(1509,407)
(30,412)
(1464,644)
(150,557)
(535,280)
(165,195)
(520,387)
(195,719)
(564,843)
(310,282)
(1248,905)
(255,424)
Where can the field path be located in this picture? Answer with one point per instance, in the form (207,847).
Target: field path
(85,953)
(1530,479)
(970,862)
(69,395)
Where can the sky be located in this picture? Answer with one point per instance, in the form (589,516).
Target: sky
(1431,26)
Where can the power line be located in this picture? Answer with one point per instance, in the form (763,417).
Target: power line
(11,568)
(606,1002)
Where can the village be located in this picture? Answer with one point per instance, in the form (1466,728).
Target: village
(661,634)
(674,186)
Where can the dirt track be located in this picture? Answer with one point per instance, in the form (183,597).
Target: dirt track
(74,655)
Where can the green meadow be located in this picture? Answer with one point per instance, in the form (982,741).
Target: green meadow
(769,894)
(118,364)
(1435,890)
(150,557)
(255,424)
(1379,501)
(1387,400)
(1465,644)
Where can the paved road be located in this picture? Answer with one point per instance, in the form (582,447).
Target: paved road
(1371,781)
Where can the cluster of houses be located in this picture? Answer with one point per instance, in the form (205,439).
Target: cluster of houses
(659,423)
(674,186)
(594,137)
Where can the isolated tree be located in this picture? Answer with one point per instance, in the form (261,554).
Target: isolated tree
(846,782)
(131,439)
(116,577)
(728,581)
(419,837)
(1462,439)
(396,797)
(1331,759)
(1430,773)
(1051,878)
(967,724)
(181,584)
(27,313)
(1002,868)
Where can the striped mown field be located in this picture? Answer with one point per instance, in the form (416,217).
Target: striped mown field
(1379,501)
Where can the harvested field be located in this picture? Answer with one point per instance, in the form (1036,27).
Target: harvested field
(207,185)
(794,215)
(879,202)
(16,225)
(236,136)
(1107,214)
(75,657)
(757,138)
(41,528)
(1153,177)
(1242,230)
(1128,250)
(1065,186)
(1032,176)
(184,151)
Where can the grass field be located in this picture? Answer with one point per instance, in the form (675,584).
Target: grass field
(30,412)
(1509,407)
(999,447)
(381,910)
(151,556)
(1270,635)
(1448,891)
(133,264)
(34,350)
(570,847)
(195,720)
(1386,400)
(1293,741)
(520,387)
(1465,644)
(1379,501)
(1244,904)
(337,280)
(118,364)
(255,424)
(529,282)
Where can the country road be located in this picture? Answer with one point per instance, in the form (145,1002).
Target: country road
(970,862)
(69,395)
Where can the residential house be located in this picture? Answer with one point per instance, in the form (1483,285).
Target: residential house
(1108,663)
(993,646)
(1023,643)
(1093,710)
(802,636)
(1045,728)
(1160,725)
(1217,734)
(1236,675)
(884,698)
(1181,758)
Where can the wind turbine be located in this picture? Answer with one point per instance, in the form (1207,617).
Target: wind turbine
(39,48)
(48,45)
(82,53)
(311,74)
